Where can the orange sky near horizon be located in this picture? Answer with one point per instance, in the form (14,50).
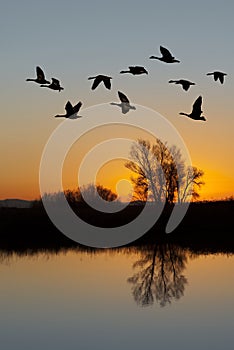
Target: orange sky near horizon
(20,183)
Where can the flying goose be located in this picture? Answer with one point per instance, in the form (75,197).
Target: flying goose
(185,83)
(101,78)
(54,85)
(71,111)
(40,79)
(166,56)
(218,75)
(125,104)
(135,70)
(196,110)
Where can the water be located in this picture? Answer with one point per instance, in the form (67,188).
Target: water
(162,297)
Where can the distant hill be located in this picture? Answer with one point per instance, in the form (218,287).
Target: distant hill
(15,203)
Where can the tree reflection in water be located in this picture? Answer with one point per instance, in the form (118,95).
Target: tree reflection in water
(160,277)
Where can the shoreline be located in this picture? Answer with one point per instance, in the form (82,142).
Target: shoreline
(206,226)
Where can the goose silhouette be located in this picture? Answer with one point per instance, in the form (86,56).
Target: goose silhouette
(135,70)
(218,76)
(101,78)
(40,79)
(166,56)
(196,110)
(71,111)
(125,103)
(185,83)
(54,85)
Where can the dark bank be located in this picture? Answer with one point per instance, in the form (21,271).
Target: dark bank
(207,226)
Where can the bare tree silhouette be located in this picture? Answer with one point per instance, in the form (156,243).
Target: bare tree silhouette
(75,198)
(191,183)
(91,191)
(161,173)
(160,277)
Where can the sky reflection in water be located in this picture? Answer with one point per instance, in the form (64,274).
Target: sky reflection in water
(162,297)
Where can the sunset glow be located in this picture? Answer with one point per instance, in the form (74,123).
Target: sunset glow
(29,123)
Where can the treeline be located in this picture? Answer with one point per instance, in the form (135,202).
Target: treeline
(79,196)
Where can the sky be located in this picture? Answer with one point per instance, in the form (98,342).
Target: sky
(74,40)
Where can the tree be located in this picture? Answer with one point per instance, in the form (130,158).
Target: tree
(75,198)
(161,173)
(191,184)
(160,276)
(141,184)
(91,192)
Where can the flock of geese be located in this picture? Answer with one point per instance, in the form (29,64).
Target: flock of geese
(166,57)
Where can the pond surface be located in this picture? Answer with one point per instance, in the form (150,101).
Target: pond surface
(162,297)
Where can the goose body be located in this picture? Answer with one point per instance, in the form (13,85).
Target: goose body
(196,110)
(54,85)
(101,78)
(40,79)
(135,70)
(185,83)
(71,111)
(218,76)
(125,103)
(166,56)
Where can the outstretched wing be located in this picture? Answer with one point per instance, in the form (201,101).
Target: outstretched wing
(185,84)
(107,83)
(221,78)
(185,87)
(123,98)
(216,76)
(76,108)
(165,52)
(55,81)
(96,82)
(69,109)
(144,70)
(197,106)
(40,73)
